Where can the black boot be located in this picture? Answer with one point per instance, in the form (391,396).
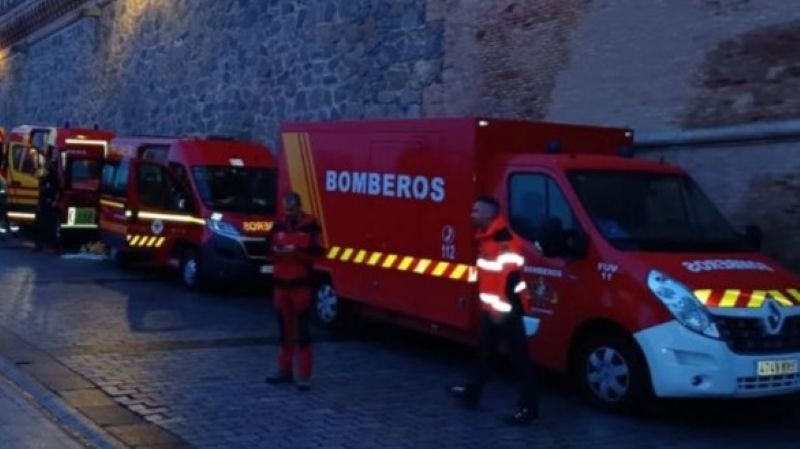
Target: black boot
(279,378)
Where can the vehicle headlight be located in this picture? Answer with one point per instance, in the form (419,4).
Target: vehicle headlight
(223,227)
(682,303)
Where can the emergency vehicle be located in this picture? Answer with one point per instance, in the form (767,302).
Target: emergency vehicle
(78,155)
(203,205)
(639,286)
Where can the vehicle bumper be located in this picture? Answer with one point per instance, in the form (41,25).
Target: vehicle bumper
(224,259)
(685,364)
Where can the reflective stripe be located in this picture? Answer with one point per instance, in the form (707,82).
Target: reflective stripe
(503,259)
(171,217)
(520,287)
(472,276)
(496,302)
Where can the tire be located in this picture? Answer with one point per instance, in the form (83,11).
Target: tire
(117,257)
(613,375)
(192,270)
(329,309)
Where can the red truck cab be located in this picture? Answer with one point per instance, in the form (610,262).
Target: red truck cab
(77,155)
(640,286)
(205,206)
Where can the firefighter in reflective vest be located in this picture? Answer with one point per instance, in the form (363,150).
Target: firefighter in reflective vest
(295,241)
(502,293)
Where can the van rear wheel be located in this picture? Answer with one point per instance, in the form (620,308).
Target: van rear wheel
(191,270)
(613,374)
(329,309)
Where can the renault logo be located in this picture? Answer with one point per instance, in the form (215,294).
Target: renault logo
(774,319)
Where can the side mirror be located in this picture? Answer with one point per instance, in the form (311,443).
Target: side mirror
(554,241)
(552,238)
(754,237)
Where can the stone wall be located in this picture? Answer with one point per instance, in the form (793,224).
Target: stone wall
(236,67)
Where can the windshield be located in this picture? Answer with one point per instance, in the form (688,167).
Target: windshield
(654,212)
(237,189)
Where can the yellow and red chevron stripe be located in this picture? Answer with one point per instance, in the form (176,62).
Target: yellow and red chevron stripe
(145,241)
(302,175)
(732,298)
(410,264)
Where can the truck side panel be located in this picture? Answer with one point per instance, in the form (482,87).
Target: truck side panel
(395,207)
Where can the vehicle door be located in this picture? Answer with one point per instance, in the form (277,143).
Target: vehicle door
(161,210)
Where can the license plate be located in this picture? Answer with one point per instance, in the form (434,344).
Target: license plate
(84,216)
(777,367)
(266,269)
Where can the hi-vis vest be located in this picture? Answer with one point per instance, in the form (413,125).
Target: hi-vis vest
(499,264)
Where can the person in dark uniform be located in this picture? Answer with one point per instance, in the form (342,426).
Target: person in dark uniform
(294,242)
(47,209)
(503,295)
(5,227)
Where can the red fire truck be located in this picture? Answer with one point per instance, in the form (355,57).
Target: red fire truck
(77,154)
(202,205)
(640,286)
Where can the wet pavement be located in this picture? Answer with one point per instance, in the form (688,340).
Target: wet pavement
(157,366)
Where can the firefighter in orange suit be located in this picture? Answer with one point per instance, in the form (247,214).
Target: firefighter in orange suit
(502,293)
(294,242)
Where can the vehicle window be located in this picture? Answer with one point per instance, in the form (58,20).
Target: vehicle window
(180,172)
(527,205)
(30,162)
(249,190)
(39,138)
(121,179)
(653,212)
(107,181)
(532,198)
(155,188)
(17,152)
(83,174)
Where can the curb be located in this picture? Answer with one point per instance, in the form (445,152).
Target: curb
(58,411)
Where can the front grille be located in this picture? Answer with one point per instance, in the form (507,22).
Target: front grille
(768,382)
(748,335)
(255,248)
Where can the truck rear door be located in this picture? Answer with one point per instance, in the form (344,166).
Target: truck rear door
(114,203)
(23,185)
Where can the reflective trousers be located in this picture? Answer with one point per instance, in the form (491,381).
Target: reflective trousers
(294,320)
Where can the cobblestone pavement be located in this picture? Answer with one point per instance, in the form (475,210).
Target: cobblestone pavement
(193,364)
(24,426)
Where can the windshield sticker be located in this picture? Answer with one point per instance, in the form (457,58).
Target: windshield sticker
(607,270)
(544,271)
(697,266)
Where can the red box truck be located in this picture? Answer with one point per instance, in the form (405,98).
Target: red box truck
(639,286)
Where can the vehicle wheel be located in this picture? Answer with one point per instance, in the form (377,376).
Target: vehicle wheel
(329,309)
(117,256)
(613,374)
(191,270)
